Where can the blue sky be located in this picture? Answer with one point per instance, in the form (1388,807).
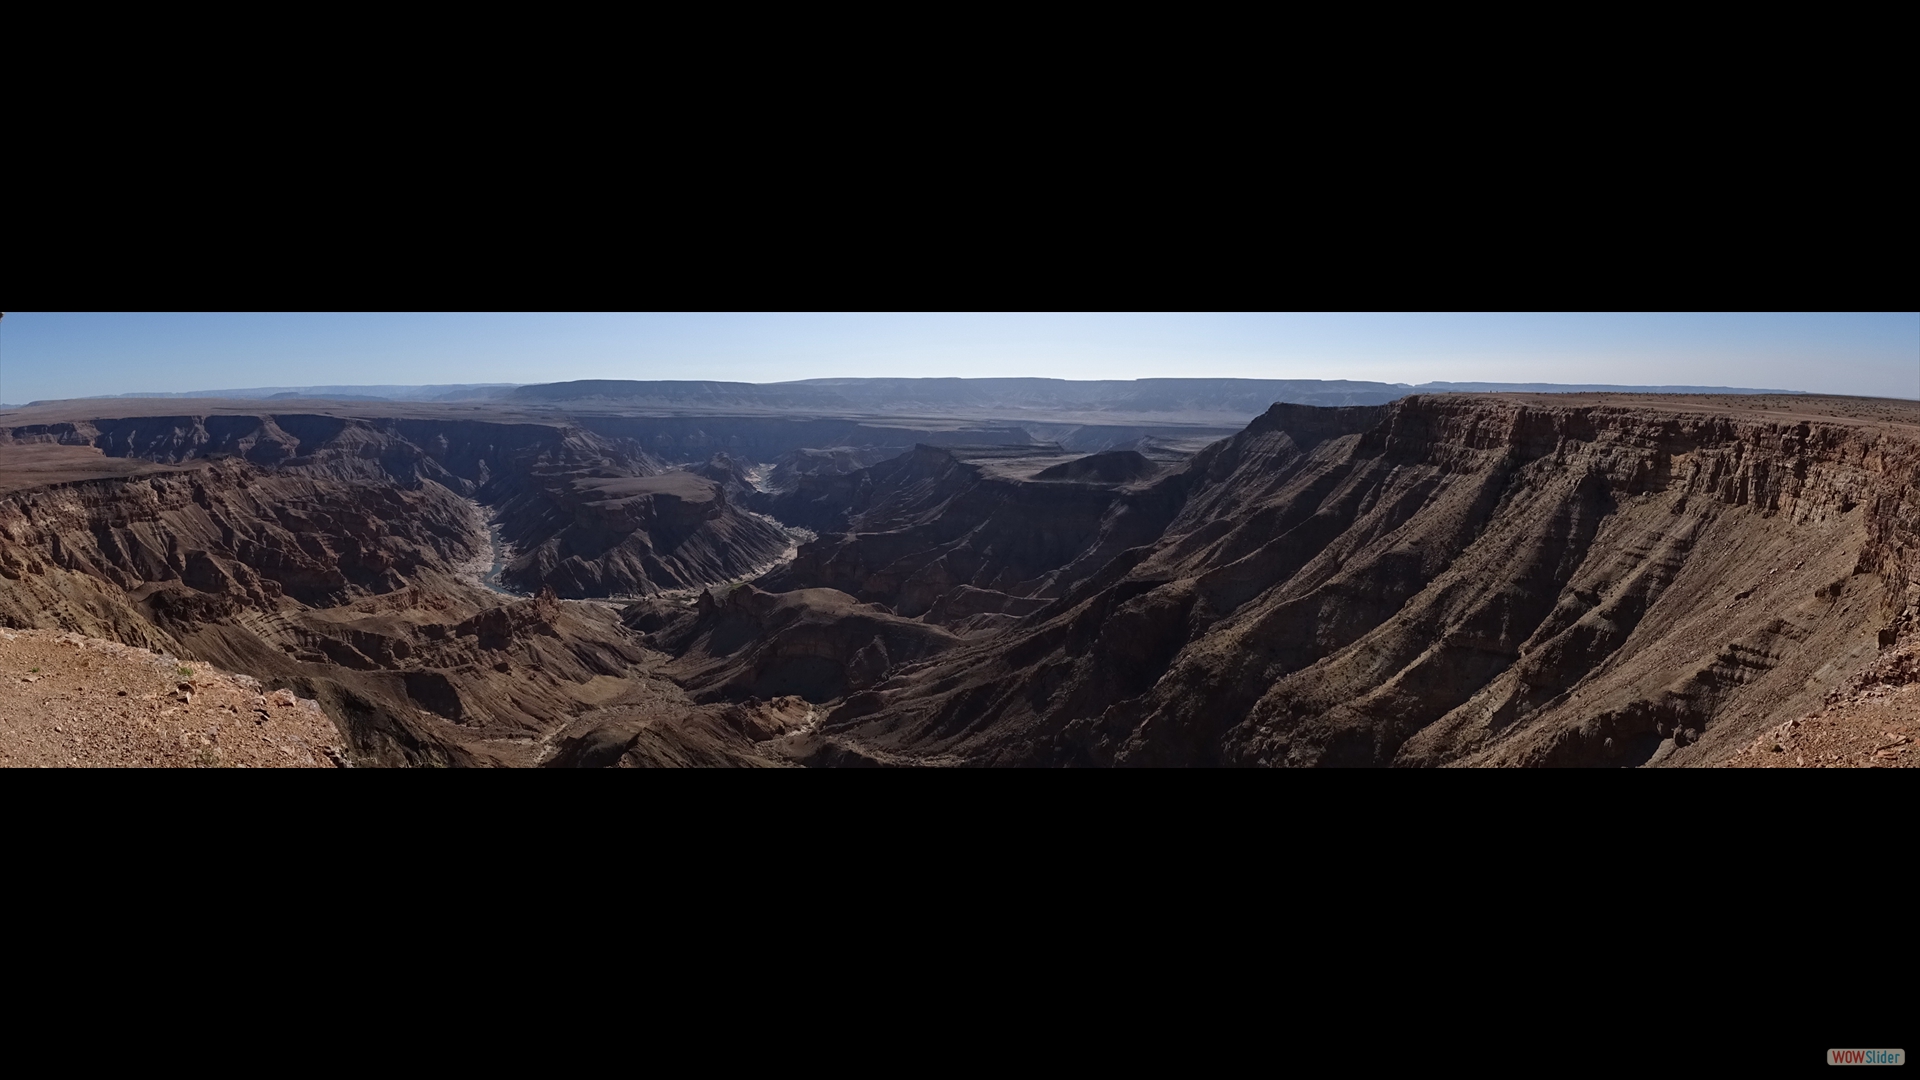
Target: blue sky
(72,355)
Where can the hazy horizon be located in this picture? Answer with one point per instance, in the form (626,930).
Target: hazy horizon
(69,355)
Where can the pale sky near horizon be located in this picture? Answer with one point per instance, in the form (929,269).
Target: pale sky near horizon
(60,355)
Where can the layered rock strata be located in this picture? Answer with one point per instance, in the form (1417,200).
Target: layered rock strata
(333,556)
(1453,580)
(578,509)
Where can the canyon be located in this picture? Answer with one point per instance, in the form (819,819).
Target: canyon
(607,575)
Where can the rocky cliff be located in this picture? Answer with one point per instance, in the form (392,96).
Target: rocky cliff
(575,506)
(1454,580)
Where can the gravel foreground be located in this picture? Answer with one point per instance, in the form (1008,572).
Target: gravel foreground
(1871,722)
(70,701)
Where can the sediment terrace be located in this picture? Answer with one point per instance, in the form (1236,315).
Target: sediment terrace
(1441,580)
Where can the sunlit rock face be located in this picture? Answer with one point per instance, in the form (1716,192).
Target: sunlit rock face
(1444,580)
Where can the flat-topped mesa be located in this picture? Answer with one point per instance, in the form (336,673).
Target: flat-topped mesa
(679,500)
(1458,580)
(1307,426)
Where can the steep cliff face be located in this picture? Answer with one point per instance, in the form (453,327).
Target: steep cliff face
(1454,580)
(234,536)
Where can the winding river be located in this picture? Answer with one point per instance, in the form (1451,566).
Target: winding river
(485,570)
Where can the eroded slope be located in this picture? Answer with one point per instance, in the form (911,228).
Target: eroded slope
(1453,580)
(339,556)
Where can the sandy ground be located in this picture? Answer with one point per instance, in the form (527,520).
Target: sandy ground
(80,702)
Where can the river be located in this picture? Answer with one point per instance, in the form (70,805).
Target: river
(485,570)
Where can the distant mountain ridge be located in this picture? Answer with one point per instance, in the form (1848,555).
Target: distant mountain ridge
(1220,399)
(431,392)
(1237,396)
